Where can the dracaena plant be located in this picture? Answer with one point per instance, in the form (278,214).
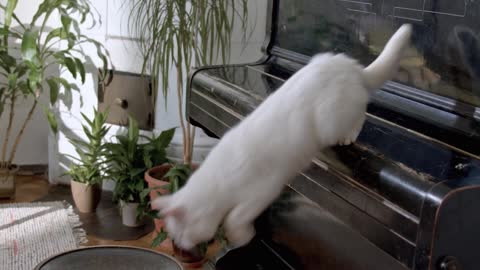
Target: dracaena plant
(89,167)
(23,70)
(182,33)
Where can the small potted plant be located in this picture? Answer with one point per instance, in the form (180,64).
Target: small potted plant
(129,160)
(86,173)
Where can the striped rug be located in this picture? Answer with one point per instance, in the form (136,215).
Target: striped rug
(32,232)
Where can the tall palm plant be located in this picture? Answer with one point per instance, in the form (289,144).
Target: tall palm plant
(179,34)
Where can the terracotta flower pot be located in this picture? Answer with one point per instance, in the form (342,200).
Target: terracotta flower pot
(86,197)
(154,178)
(7,180)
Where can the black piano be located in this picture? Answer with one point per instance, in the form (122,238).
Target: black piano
(406,195)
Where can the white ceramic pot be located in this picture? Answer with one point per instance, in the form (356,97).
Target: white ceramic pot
(129,214)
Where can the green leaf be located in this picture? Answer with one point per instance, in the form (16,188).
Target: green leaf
(71,66)
(29,46)
(58,32)
(7,61)
(135,172)
(34,79)
(11,5)
(64,83)
(147,160)
(12,80)
(161,236)
(54,89)
(21,69)
(81,69)
(66,22)
(139,185)
(24,87)
(41,9)
(133,132)
(145,193)
(52,121)
(90,123)
(165,138)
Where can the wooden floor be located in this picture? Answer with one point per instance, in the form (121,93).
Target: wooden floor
(32,188)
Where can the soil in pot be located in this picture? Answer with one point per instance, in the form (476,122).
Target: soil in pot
(129,215)
(86,197)
(7,181)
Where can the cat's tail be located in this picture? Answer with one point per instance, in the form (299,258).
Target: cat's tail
(386,64)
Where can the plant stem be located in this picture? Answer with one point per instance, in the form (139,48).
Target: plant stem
(20,133)
(180,112)
(192,140)
(9,128)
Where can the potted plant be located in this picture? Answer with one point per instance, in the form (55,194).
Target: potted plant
(87,173)
(129,159)
(24,69)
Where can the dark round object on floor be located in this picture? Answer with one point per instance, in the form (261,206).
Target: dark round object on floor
(110,257)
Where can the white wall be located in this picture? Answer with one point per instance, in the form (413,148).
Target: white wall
(113,33)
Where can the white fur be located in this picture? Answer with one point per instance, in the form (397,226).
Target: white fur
(323,104)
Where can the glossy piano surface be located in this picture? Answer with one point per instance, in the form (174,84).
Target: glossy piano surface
(445,37)
(305,237)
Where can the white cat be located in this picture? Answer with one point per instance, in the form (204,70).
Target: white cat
(323,104)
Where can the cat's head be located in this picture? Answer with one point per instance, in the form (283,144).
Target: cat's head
(185,225)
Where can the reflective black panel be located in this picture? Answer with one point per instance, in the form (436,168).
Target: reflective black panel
(444,58)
